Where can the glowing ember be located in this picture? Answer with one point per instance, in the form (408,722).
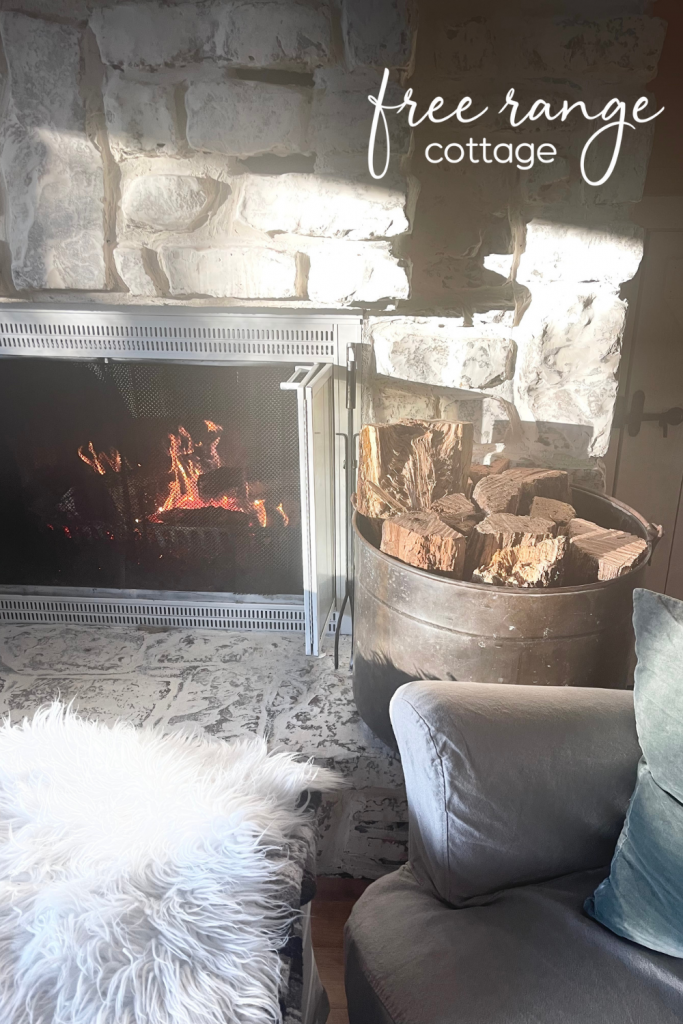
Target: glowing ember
(99,462)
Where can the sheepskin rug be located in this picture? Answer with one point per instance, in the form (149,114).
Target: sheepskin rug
(143,876)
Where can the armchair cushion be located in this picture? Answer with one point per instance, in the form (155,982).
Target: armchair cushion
(509,785)
(642,899)
(531,956)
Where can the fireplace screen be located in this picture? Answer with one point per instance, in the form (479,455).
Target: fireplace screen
(164,477)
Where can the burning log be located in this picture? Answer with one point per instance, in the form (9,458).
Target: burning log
(406,466)
(514,490)
(599,554)
(220,481)
(424,540)
(527,565)
(500,531)
(560,512)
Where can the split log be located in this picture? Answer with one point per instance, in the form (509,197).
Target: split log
(543,483)
(478,471)
(499,531)
(423,540)
(514,490)
(527,565)
(458,512)
(579,527)
(602,555)
(560,512)
(406,466)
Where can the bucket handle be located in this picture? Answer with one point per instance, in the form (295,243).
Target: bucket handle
(654,535)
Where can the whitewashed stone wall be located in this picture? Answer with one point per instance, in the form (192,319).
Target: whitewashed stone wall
(526,274)
(172,150)
(215,152)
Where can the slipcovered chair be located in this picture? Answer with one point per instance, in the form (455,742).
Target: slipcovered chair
(517,796)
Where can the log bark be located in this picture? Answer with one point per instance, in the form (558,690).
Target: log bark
(560,512)
(423,540)
(406,466)
(602,555)
(513,491)
(499,531)
(458,512)
(527,565)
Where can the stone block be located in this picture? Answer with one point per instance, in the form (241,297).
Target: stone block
(607,49)
(342,273)
(625,184)
(605,252)
(500,263)
(436,350)
(245,118)
(549,183)
(131,269)
(280,34)
(466,50)
(306,204)
(566,375)
(52,173)
(166,202)
(140,116)
(377,34)
(232,271)
(342,118)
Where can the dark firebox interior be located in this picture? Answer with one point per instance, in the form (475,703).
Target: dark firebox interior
(142,476)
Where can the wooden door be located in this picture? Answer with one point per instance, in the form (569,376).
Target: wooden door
(649,466)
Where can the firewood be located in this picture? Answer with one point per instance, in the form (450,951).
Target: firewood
(514,490)
(602,555)
(549,508)
(423,540)
(458,512)
(406,466)
(543,483)
(527,565)
(502,530)
(579,527)
(478,471)
(220,481)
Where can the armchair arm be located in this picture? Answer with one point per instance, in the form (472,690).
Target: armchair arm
(509,784)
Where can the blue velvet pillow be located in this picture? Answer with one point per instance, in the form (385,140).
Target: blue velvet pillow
(642,898)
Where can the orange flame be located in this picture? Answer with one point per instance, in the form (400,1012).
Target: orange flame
(285,517)
(188,462)
(99,462)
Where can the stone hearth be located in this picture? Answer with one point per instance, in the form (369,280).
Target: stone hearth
(229,685)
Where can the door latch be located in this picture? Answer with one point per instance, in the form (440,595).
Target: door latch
(633,419)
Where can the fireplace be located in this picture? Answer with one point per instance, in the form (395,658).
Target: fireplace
(182,466)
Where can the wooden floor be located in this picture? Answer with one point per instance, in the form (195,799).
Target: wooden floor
(331,907)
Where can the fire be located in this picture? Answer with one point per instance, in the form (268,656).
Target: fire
(99,462)
(285,517)
(189,461)
(260,509)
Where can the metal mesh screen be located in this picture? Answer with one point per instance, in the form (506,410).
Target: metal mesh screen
(157,477)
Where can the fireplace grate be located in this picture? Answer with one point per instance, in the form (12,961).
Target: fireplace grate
(187,335)
(123,612)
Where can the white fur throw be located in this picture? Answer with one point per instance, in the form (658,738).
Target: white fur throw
(141,874)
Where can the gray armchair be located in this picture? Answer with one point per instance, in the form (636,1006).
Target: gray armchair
(517,796)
